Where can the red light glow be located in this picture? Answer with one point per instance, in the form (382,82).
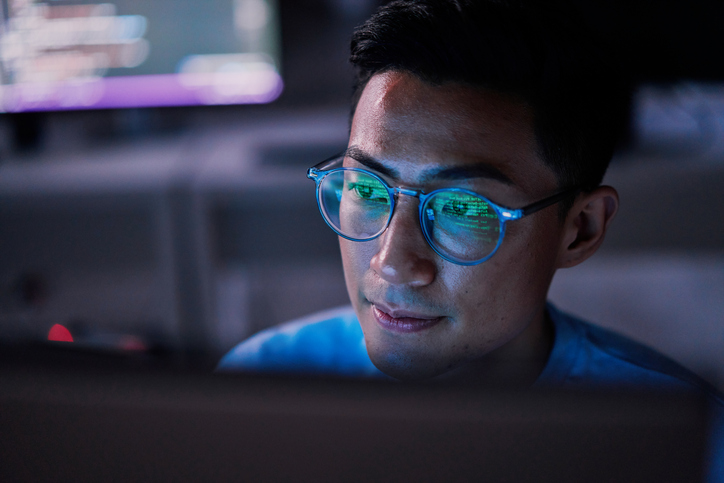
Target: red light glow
(58,333)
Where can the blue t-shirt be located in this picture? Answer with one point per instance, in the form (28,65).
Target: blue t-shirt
(583,356)
(329,342)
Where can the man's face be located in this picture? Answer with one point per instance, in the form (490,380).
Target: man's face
(422,315)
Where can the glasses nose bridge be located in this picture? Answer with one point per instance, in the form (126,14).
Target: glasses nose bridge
(401,190)
(410,216)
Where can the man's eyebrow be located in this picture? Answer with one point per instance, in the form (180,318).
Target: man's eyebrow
(367,160)
(479,170)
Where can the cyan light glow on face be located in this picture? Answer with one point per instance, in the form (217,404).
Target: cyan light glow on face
(370,190)
(463,211)
(462,225)
(356,204)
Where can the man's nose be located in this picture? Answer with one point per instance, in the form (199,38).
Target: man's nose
(404,256)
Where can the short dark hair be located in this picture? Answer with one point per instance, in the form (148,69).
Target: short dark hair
(580,100)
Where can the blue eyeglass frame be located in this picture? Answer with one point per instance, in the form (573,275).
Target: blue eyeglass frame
(318,172)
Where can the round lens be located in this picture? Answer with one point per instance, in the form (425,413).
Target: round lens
(461,226)
(354,203)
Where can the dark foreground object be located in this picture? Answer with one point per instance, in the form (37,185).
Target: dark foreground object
(121,424)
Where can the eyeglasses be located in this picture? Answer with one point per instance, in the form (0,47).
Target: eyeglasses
(462,227)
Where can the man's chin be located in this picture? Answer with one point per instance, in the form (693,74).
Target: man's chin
(407,367)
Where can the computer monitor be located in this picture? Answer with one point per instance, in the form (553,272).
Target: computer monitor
(104,422)
(80,54)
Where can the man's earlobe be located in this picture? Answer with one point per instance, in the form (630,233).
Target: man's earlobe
(586,225)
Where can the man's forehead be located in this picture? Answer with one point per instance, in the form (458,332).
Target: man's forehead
(394,91)
(400,117)
(445,171)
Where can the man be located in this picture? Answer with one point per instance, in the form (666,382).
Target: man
(480,134)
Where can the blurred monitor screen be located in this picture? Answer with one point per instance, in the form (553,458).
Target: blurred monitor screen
(101,422)
(76,54)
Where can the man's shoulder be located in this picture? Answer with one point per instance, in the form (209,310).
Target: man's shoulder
(328,342)
(585,355)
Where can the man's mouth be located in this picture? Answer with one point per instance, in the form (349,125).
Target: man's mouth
(403,321)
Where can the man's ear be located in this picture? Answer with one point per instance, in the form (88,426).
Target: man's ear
(586,225)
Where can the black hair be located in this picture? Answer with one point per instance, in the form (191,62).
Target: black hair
(580,100)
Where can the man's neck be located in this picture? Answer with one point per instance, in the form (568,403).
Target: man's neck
(515,364)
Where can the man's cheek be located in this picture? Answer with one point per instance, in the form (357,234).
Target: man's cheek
(356,256)
(354,268)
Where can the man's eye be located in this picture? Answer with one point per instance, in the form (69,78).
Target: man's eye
(369,192)
(459,208)
(467,207)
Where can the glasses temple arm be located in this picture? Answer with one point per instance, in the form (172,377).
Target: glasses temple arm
(329,162)
(544,203)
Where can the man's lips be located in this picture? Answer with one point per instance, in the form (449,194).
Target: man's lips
(403,321)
